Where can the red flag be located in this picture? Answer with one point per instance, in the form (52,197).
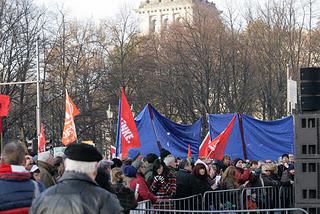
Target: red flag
(203,149)
(4,105)
(218,145)
(128,130)
(189,152)
(69,131)
(42,142)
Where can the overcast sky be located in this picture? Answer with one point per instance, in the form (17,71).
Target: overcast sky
(98,9)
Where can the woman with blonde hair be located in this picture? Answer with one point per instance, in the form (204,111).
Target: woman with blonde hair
(229,179)
(124,194)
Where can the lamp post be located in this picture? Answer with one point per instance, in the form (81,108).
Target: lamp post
(109,129)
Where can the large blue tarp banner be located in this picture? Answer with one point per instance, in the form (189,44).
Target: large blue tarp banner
(263,139)
(153,127)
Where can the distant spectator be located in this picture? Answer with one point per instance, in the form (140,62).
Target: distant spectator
(116,163)
(284,165)
(199,179)
(47,169)
(125,195)
(243,171)
(17,189)
(225,163)
(151,157)
(184,182)
(103,177)
(164,182)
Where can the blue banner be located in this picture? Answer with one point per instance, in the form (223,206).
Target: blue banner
(153,127)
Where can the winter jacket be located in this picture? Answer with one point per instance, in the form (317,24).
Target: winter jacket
(242,175)
(264,180)
(143,191)
(287,178)
(76,193)
(46,174)
(184,184)
(125,196)
(165,187)
(148,174)
(199,186)
(17,190)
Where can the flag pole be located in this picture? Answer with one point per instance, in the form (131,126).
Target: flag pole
(38,110)
(152,123)
(244,147)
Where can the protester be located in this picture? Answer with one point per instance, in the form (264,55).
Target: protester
(125,195)
(243,171)
(225,163)
(76,191)
(287,178)
(264,178)
(138,184)
(184,182)
(103,177)
(284,165)
(17,189)
(150,158)
(47,169)
(229,179)
(199,179)
(164,181)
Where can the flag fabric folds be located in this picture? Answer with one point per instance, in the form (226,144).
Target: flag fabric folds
(69,131)
(263,140)
(217,146)
(42,142)
(127,136)
(171,136)
(203,149)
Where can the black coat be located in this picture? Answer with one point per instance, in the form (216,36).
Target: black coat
(76,193)
(184,185)
(199,186)
(126,197)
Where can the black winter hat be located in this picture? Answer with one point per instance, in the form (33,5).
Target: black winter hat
(82,152)
(164,153)
(151,157)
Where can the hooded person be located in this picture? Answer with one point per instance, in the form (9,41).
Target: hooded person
(76,191)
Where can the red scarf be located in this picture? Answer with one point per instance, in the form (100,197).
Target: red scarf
(13,172)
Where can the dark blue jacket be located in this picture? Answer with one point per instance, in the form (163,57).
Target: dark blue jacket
(18,193)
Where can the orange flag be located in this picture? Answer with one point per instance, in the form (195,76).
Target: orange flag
(189,152)
(42,142)
(69,131)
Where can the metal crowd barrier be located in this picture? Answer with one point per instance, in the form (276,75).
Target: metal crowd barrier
(189,203)
(286,196)
(142,205)
(260,198)
(222,200)
(265,211)
(257,198)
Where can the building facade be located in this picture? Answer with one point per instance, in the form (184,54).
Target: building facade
(156,15)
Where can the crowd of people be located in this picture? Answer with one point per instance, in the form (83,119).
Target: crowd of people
(81,181)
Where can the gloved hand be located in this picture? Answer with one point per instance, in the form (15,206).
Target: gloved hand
(159,178)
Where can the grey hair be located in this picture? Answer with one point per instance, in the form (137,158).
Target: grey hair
(80,166)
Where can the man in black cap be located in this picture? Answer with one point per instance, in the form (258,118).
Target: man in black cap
(76,191)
